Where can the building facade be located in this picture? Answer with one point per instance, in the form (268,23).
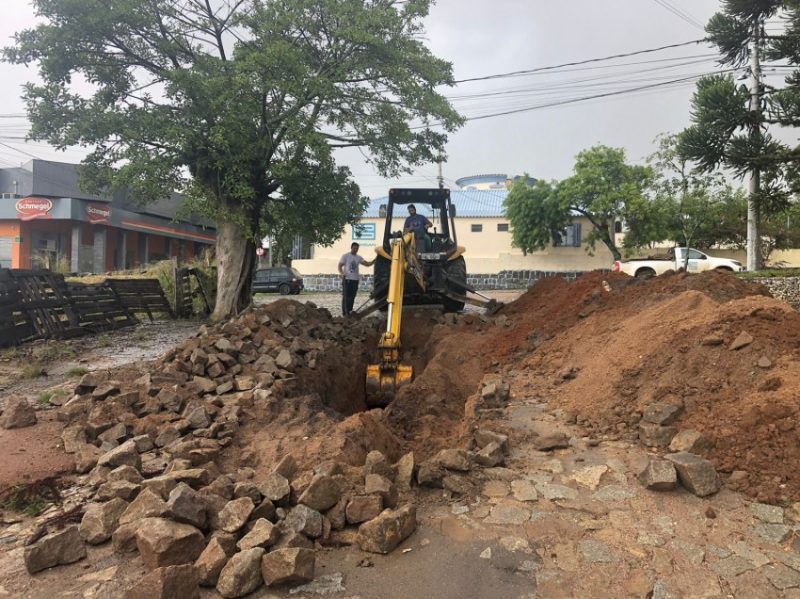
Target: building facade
(47,221)
(481,227)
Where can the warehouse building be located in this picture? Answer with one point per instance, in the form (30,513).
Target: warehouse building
(47,221)
(482,227)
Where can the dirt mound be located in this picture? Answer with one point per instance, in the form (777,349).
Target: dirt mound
(289,378)
(605,347)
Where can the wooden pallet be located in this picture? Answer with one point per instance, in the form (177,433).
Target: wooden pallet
(43,296)
(186,291)
(99,308)
(141,295)
(15,326)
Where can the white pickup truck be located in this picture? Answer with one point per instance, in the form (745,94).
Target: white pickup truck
(698,262)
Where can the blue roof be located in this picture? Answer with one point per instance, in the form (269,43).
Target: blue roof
(470,203)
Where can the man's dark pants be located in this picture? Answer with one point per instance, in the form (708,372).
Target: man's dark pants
(349,290)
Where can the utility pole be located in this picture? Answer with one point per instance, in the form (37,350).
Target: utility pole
(440,177)
(753,211)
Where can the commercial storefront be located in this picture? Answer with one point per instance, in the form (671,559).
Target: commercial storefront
(47,221)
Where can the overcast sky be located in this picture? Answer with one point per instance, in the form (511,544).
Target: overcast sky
(485,37)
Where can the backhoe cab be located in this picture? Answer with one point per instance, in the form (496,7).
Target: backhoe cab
(440,257)
(429,269)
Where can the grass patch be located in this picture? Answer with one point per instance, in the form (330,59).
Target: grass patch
(770,272)
(33,371)
(141,335)
(104,341)
(45,398)
(30,499)
(12,353)
(77,371)
(56,350)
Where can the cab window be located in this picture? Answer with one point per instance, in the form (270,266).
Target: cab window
(695,255)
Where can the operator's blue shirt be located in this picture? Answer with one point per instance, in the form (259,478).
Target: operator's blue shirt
(416,223)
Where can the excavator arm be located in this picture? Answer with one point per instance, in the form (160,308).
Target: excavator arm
(385,378)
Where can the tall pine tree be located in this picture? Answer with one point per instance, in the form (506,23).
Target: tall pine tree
(729,121)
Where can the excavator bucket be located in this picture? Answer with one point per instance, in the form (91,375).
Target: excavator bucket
(383,383)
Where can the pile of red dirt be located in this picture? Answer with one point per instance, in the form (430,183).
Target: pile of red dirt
(602,348)
(606,346)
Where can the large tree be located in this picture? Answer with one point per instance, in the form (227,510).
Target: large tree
(686,206)
(603,188)
(239,104)
(730,122)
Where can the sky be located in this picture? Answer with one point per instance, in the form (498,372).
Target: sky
(483,37)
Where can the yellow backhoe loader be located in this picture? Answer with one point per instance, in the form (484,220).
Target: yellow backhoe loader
(404,275)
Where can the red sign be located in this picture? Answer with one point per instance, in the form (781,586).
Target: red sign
(30,208)
(259,251)
(98,213)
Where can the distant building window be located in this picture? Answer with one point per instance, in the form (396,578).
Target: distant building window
(476,228)
(11,196)
(618,226)
(502,227)
(364,232)
(570,237)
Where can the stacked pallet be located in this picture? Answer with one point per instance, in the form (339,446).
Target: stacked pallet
(39,304)
(98,308)
(141,295)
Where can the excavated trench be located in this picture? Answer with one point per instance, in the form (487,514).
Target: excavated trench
(322,413)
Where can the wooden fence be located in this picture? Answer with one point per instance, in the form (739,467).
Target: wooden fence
(39,304)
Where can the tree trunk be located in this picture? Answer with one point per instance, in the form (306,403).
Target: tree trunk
(754,261)
(608,239)
(753,209)
(235,263)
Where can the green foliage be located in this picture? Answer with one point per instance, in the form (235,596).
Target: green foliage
(770,273)
(56,350)
(44,398)
(603,188)
(30,498)
(242,106)
(77,371)
(687,207)
(19,501)
(104,340)
(726,132)
(535,213)
(33,371)
(12,353)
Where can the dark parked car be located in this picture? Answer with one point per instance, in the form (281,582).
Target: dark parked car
(282,279)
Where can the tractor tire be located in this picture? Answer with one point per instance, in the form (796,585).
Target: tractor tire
(456,270)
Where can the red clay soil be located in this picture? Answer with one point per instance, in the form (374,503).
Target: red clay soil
(34,452)
(624,343)
(323,416)
(629,343)
(601,348)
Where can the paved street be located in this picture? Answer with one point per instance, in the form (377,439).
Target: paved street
(333,301)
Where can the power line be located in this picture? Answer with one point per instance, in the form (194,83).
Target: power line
(684,16)
(576,63)
(591,97)
(607,79)
(5,145)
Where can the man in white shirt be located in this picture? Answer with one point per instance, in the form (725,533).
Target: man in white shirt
(348,269)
